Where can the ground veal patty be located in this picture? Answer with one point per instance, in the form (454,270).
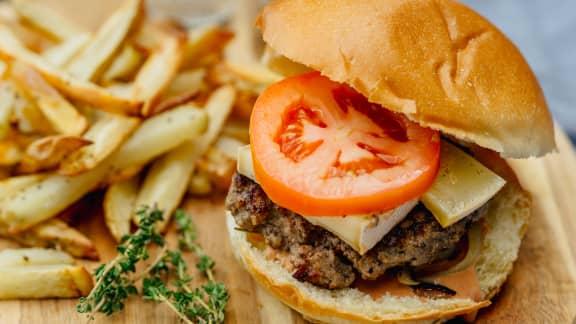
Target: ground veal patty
(321,258)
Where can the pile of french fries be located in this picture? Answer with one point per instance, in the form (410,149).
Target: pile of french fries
(144,109)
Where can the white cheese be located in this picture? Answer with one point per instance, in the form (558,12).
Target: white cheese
(361,232)
(462,185)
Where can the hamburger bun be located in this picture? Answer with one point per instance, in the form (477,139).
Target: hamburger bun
(504,225)
(437,61)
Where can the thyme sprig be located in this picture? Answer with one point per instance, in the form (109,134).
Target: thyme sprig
(165,280)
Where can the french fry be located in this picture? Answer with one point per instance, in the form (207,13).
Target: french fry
(174,101)
(119,206)
(6,108)
(56,234)
(280,64)
(160,67)
(3,69)
(12,185)
(32,38)
(63,117)
(106,135)
(47,152)
(105,41)
(229,146)
(46,19)
(88,92)
(254,73)
(200,184)
(166,181)
(237,129)
(10,153)
(44,281)
(28,117)
(5,173)
(218,166)
(242,49)
(184,87)
(123,65)
(186,81)
(33,256)
(160,134)
(54,193)
(35,204)
(203,41)
(120,89)
(60,54)
(244,103)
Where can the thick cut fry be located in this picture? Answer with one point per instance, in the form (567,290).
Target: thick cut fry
(119,206)
(28,116)
(44,281)
(166,182)
(56,234)
(105,41)
(59,55)
(204,41)
(47,152)
(244,104)
(120,89)
(53,194)
(186,81)
(10,153)
(160,134)
(219,167)
(183,88)
(11,186)
(63,117)
(33,256)
(229,146)
(5,173)
(124,65)
(242,48)
(35,204)
(254,73)
(8,97)
(46,19)
(174,101)
(199,184)
(237,129)
(282,65)
(160,67)
(81,90)
(106,135)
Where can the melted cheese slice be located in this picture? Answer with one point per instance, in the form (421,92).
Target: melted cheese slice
(462,185)
(361,232)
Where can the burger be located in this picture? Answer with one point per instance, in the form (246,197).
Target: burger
(374,188)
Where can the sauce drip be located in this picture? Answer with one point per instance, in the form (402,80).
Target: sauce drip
(464,283)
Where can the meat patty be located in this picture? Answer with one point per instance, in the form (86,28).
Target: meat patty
(323,259)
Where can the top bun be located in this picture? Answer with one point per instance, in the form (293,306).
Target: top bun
(437,61)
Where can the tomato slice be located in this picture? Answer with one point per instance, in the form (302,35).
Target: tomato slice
(320,148)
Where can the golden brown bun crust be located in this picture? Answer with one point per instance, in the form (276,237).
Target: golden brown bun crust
(437,61)
(505,224)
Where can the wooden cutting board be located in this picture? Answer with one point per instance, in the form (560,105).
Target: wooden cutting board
(541,289)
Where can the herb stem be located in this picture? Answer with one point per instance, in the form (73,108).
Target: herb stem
(159,258)
(165,300)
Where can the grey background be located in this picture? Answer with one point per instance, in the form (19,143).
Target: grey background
(545,32)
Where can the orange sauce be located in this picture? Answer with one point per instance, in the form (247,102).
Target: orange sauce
(386,284)
(464,283)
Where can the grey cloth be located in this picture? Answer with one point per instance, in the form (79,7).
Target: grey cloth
(545,32)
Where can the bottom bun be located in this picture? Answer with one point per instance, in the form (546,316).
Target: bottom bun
(505,224)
